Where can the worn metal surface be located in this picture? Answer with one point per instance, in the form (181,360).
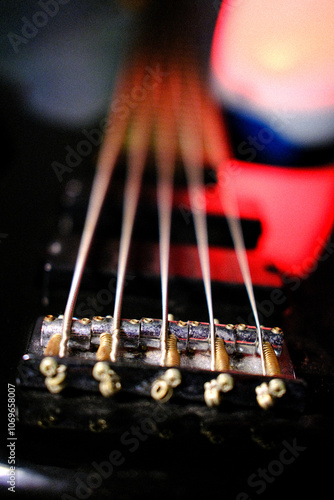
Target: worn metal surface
(147,331)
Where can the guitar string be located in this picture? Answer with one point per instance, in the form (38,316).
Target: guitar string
(219,150)
(191,145)
(192,151)
(109,152)
(233,219)
(138,146)
(165,153)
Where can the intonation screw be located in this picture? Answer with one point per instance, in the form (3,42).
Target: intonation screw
(172,355)
(104,350)
(270,359)
(52,348)
(222,358)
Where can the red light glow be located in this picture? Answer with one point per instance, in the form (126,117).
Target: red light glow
(276,54)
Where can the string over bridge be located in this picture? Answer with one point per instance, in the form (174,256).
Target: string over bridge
(188,342)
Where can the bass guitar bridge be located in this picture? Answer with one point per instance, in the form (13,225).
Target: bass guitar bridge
(85,387)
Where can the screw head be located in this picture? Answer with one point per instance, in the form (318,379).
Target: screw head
(172,377)
(57,383)
(48,318)
(161,390)
(48,367)
(182,323)
(263,397)
(277,388)
(241,327)
(109,386)
(101,369)
(85,321)
(225,382)
(229,326)
(211,394)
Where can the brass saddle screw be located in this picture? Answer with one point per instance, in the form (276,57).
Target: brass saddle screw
(266,394)
(55,374)
(212,390)
(172,355)
(270,359)
(109,380)
(52,349)
(104,350)
(222,357)
(162,387)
